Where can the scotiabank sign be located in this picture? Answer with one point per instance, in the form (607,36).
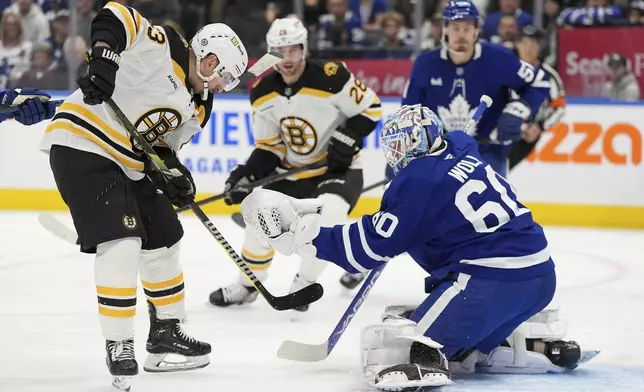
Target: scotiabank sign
(581,54)
(386,77)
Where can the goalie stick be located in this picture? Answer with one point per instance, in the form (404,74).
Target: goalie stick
(302,297)
(302,352)
(239,219)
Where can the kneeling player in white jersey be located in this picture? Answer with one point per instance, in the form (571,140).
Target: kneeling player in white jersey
(163,86)
(304,113)
(491,270)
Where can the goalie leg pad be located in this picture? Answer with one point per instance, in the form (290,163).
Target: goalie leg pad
(395,358)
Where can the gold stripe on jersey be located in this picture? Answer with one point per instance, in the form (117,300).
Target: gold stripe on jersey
(126,17)
(82,132)
(315,92)
(265,98)
(279,150)
(270,141)
(118,302)
(308,173)
(91,117)
(166,292)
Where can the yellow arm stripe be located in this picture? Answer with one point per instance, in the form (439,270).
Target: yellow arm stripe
(167,300)
(270,140)
(310,173)
(165,284)
(278,150)
(318,159)
(89,116)
(373,112)
(117,313)
(82,132)
(176,68)
(263,99)
(116,291)
(127,19)
(201,113)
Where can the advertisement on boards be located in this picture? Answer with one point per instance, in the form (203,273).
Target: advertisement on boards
(581,53)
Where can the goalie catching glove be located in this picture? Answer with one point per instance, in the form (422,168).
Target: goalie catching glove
(288,225)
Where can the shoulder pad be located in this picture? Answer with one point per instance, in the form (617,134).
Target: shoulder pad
(330,76)
(264,86)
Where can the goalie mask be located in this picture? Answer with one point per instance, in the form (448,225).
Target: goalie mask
(413,131)
(220,40)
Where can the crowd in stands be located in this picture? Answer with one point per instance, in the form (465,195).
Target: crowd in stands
(36,50)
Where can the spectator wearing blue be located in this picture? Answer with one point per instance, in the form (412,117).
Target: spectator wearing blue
(596,13)
(368,11)
(31,105)
(340,27)
(507,7)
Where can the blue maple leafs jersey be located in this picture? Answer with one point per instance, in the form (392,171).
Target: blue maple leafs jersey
(454,91)
(452,213)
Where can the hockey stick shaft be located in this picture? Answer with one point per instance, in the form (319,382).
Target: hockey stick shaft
(258,183)
(305,296)
(11,108)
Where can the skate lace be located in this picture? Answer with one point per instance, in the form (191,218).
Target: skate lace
(184,336)
(234,293)
(123,350)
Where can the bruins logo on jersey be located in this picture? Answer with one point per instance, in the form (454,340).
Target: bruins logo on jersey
(156,123)
(299,134)
(330,69)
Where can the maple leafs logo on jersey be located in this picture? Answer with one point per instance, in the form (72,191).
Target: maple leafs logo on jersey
(458,114)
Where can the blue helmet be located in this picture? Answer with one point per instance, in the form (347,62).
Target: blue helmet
(460,10)
(412,132)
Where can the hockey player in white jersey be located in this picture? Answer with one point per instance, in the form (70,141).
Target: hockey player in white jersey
(303,113)
(164,86)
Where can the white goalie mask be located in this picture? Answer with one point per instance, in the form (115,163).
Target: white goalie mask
(287,32)
(222,41)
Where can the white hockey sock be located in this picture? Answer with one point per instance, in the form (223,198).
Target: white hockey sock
(115,271)
(162,280)
(257,255)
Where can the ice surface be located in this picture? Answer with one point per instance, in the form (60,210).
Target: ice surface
(51,338)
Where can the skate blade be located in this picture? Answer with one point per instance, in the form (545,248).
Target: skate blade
(436,381)
(171,362)
(122,383)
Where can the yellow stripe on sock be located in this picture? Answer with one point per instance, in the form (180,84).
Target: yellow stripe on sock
(165,284)
(167,300)
(116,313)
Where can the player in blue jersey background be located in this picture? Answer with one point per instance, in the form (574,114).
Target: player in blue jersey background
(460,221)
(450,80)
(31,105)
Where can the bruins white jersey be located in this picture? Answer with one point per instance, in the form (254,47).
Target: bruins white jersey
(296,122)
(151,89)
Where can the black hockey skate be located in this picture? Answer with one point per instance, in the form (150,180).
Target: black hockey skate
(561,353)
(351,281)
(121,362)
(166,340)
(235,294)
(427,369)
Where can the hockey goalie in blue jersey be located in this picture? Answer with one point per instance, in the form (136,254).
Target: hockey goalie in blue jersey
(492,275)
(450,80)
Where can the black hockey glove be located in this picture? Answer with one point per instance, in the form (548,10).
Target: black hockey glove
(239,176)
(98,85)
(179,189)
(259,164)
(343,146)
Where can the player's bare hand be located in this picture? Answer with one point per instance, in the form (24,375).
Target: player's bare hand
(98,85)
(532,133)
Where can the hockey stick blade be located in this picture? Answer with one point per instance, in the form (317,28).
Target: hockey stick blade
(262,65)
(304,296)
(55,227)
(302,352)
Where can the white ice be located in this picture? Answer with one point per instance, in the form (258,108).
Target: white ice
(51,340)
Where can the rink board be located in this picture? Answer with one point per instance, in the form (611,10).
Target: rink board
(587,171)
